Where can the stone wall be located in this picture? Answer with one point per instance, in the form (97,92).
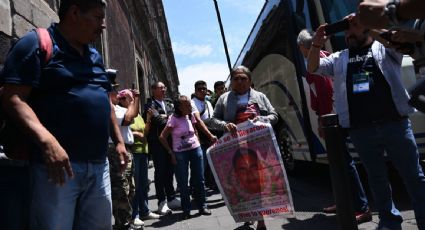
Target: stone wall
(17,17)
(136,41)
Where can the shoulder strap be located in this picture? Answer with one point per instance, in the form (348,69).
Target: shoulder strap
(46,44)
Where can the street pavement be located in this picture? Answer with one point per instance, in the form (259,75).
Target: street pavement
(311,192)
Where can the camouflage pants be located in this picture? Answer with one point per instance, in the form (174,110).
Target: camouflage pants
(123,189)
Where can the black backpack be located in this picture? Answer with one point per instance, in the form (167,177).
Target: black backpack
(13,140)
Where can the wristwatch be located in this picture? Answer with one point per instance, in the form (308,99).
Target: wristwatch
(391,12)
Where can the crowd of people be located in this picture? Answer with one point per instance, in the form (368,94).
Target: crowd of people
(90,156)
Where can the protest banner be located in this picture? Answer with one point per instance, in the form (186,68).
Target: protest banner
(249,172)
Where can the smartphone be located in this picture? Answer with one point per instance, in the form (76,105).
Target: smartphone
(148,104)
(337,27)
(132,86)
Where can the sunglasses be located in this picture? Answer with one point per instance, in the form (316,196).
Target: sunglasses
(201,89)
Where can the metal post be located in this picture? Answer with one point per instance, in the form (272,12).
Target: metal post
(222,36)
(336,147)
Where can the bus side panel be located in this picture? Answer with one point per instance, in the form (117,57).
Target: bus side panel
(275,76)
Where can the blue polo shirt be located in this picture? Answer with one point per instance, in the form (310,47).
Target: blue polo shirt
(69,96)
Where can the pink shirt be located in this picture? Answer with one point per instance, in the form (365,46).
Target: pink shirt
(182,133)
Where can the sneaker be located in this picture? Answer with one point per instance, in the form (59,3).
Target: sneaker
(175,204)
(163,208)
(204,211)
(185,215)
(330,209)
(151,216)
(137,222)
(362,217)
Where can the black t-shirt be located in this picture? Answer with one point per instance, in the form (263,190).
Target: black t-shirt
(368,92)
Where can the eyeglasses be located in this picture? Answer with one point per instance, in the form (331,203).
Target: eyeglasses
(240,79)
(161,87)
(201,89)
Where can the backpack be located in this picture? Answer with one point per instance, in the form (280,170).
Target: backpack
(14,142)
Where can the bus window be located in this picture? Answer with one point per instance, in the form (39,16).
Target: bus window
(301,15)
(335,10)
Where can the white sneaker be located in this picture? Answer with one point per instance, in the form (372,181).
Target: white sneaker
(138,222)
(151,216)
(163,208)
(175,204)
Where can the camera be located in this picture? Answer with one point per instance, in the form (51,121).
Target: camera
(112,75)
(337,27)
(148,104)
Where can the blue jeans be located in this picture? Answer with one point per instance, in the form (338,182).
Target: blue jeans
(140,200)
(397,140)
(360,202)
(195,158)
(83,202)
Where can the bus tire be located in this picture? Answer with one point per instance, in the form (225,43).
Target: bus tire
(286,151)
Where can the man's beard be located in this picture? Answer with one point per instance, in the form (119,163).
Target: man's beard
(357,43)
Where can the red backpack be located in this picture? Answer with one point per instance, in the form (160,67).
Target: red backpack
(13,140)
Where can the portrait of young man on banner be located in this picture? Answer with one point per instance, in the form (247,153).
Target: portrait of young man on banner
(250,174)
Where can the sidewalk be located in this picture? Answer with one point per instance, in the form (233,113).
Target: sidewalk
(308,199)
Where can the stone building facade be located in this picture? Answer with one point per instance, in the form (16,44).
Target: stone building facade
(136,41)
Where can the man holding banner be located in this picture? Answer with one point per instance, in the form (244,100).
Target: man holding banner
(248,155)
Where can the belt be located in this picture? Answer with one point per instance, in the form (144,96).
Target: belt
(386,120)
(112,145)
(102,161)
(379,122)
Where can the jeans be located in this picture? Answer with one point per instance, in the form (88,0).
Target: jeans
(140,200)
(360,202)
(14,197)
(397,140)
(164,172)
(194,157)
(83,202)
(209,177)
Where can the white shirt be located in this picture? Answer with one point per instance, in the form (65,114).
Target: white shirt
(126,133)
(199,106)
(243,99)
(162,105)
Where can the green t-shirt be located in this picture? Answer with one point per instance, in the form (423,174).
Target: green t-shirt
(139,126)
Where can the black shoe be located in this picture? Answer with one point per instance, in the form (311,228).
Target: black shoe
(185,215)
(204,211)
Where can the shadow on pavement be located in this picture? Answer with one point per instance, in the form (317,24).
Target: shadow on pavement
(321,221)
(167,220)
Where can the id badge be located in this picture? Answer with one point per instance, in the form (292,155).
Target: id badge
(361,82)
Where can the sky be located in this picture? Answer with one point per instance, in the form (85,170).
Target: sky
(196,39)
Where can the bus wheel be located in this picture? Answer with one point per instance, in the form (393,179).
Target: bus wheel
(286,151)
